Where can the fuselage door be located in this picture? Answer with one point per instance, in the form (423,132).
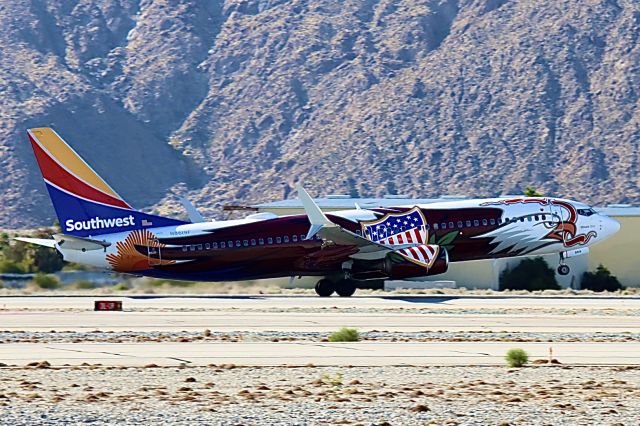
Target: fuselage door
(154,252)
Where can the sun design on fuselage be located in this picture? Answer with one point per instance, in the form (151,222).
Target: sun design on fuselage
(128,258)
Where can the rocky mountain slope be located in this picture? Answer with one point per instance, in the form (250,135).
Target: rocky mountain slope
(236,101)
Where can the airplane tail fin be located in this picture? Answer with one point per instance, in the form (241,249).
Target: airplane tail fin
(84,203)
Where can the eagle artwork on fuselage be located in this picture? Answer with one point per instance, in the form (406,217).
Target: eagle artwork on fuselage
(346,249)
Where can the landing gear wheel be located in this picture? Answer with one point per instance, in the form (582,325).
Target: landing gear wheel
(564,269)
(345,288)
(325,287)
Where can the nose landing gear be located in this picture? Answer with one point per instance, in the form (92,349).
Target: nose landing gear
(563,269)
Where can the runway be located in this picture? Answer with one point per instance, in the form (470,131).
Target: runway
(317,314)
(46,318)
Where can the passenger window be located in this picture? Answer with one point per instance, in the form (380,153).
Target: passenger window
(295,239)
(460,224)
(536,218)
(207,246)
(286,238)
(443,225)
(435,226)
(544,217)
(450,225)
(238,243)
(522,219)
(484,222)
(185,248)
(253,242)
(230,244)
(223,245)
(199,246)
(214,245)
(278,240)
(529,218)
(245,243)
(269,240)
(506,220)
(427,226)
(499,221)
(476,222)
(492,221)
(261,241)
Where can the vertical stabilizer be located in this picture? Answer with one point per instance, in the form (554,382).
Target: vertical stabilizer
(84,203)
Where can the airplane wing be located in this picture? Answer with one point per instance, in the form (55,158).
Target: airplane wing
(332,232)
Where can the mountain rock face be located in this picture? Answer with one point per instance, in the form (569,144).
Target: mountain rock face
(237,100)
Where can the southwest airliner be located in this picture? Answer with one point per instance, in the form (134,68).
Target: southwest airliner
(346,250)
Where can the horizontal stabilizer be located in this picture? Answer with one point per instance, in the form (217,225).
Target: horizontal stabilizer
(46,242)
(70,242)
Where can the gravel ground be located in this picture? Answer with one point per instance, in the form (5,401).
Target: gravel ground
(312,395)
(430,309)
(98,336)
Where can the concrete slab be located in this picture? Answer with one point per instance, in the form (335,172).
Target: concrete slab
(320,354)
(317,322)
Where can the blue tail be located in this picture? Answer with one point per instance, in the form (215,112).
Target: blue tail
(84,203)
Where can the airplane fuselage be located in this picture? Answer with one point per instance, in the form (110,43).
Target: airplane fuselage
(264,247)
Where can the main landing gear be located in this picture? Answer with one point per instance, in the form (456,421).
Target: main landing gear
(344,287)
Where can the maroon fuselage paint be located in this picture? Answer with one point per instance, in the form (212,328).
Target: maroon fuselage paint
(276,247)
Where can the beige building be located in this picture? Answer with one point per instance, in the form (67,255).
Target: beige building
(620,253)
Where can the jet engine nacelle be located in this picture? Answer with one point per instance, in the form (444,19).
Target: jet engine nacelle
(397,266)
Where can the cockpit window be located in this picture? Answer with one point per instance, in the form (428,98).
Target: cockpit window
(586,212)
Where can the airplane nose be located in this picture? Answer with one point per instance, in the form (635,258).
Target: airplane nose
(611,226)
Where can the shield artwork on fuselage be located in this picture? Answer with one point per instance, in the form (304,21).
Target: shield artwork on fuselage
(407,227)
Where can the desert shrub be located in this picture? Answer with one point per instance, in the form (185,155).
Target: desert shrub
(530,191)
(77,267)
(45,281)
(11,267)
(83,285)
(516,357)
(171,283)
(345,335)
(530,274)
(25,258)
(600,280)
(121,287)
(332,380)
(44,259)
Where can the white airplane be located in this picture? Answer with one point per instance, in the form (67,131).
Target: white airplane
(346,249)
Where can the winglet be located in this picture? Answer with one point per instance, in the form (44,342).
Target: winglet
(194,214)
(317,219)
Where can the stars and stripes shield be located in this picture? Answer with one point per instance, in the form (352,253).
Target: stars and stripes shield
(424,254)
(397,228)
